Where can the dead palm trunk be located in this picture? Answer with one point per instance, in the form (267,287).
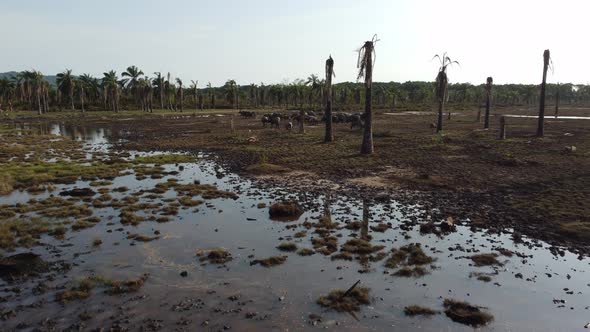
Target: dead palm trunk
(181,97)
(72,97)
(489,82)
(38,94)
(557,102)
(366,69)
(441,96)
(329,73)
(82,98)
(541,126)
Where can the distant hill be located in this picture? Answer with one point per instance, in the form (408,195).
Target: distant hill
(48,78)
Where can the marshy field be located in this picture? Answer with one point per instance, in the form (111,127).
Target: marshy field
(215,220)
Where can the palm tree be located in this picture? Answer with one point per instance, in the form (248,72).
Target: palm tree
(66,84)
(489,82)
(7,91)
(145,92)
(441,86)
(314,82)
(180,93)
(193,87)
(34,84)
(111,88)
(130,83)
(328,114)
(24,87)
(158,82)
(541,125)
(80,85)
(169,90)
(365,64)
(91,87)
(211,95)
(231,93)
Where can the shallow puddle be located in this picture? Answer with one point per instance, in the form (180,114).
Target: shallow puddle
(532,290)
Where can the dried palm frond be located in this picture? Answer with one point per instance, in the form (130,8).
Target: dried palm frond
(366,52)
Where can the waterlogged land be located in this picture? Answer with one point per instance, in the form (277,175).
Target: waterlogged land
(145,224)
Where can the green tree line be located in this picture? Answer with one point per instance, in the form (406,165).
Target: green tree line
(133,89)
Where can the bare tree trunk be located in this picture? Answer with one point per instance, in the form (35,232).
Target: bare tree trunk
(367,145)
(489,81)
(557,102)
(441,106)
(328,114)
(541,126)
(301,120)
(39,101)
(72,98)
(82,98)
(181,95)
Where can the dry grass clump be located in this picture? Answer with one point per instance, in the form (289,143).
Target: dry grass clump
(127,286)
(416,310)
(354,225)
(342,256)
(381,227)
(67,211)
(6,184)
(142,238)
(214,256)
(305,252)
(25,232)
(352,302)
(80,292)
(287,246)
(411,254)
(288,210)
(83,288)
(100,183)
(300,234)
(325,245)
(128,217)
(270,261)
(485,259)
(189,201)
(465,313)
(83,223)
(360,247)
(407,271)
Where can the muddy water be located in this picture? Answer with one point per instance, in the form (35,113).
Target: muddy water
(283,297)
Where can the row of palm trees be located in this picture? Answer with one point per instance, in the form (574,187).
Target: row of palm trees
(136,90)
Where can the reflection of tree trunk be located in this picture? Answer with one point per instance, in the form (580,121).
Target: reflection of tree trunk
(365,224)
(327,201)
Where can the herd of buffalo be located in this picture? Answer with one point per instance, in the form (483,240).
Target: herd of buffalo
(309,117)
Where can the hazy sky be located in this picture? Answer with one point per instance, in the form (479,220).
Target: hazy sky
(275,40)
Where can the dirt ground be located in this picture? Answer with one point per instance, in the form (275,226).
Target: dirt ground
(538,186)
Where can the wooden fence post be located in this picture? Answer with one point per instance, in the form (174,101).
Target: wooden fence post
(502,128)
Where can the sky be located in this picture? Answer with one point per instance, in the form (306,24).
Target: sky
(276,41)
